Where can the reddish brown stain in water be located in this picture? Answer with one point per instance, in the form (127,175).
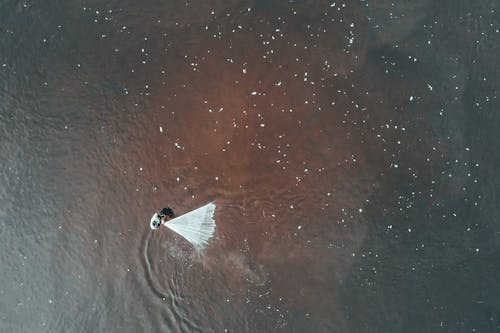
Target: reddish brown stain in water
(254,130)
(280,128)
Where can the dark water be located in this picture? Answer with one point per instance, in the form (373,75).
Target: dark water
(351,148)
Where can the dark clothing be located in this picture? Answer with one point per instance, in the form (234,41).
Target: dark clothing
(167,211)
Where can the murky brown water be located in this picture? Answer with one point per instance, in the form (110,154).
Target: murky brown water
(336,141)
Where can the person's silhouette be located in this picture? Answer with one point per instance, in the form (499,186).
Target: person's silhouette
(166,214)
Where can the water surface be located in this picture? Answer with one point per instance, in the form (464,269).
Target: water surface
(351,149)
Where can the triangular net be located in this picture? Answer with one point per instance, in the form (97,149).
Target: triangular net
(197,226)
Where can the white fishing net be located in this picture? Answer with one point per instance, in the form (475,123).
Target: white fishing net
(197,226)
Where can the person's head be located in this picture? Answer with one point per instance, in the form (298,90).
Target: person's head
(167,211)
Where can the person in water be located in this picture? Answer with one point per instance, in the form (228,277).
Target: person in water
(161,217)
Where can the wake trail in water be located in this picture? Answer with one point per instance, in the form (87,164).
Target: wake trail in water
(146,265)
(173,311)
